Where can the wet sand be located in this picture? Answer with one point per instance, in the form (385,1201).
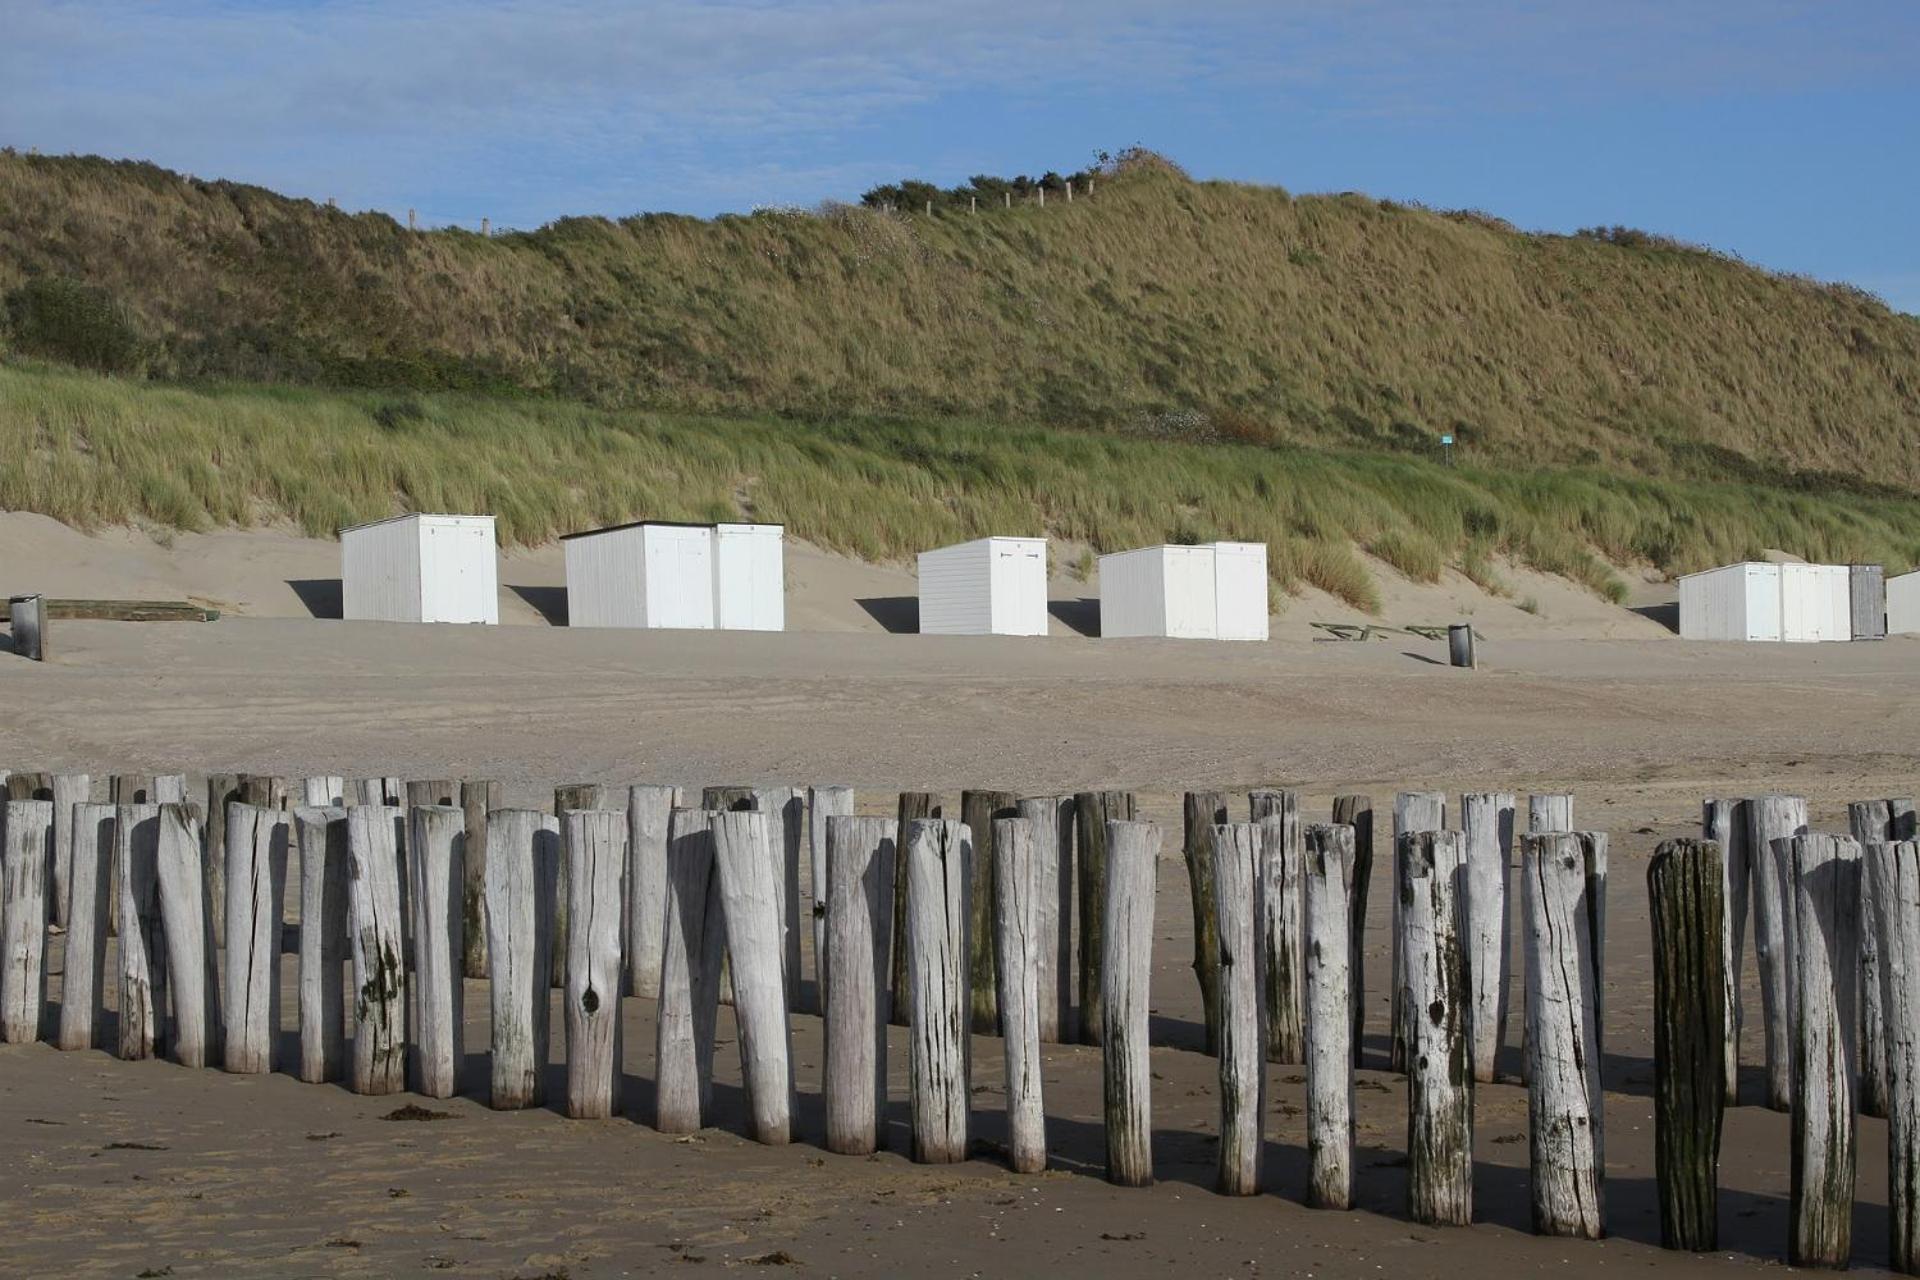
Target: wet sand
(264,1175)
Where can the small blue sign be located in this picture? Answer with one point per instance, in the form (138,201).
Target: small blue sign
(1446,439)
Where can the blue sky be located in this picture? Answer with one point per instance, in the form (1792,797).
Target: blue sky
(1787,131)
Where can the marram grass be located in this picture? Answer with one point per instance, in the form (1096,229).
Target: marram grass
(95,451)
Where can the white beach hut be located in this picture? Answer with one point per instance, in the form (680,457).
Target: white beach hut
(420,568)
(1240,590)
(1159,591)
(1755,601)
(1816,602)
(645,574)
(1903,604)
(990,586)
(749,577)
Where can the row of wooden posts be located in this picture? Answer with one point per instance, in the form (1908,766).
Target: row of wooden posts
(416,888)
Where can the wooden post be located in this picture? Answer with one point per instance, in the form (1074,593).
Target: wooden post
(1271,802)
(749,870)
(143,947)
(726,799)
(1356,811)
(477,800)
(69,789)
(691,943)
(567,798)
(523,875)
(28,617)
(1326,872)
(433,793)
(1871,822)
(374,933)
(1773,821)
(1015,939)
(321,832)
(856,874)
(649,809)
(82,988)
(1241,1016)
(1686,886)
(28,858)
(1549,814)
(1563,1075)
(1283,935)
(381,791)
(222,790)
(1894,869)
(1725,822)
(1413,812)
(786,810)
(1593,855)
(1093,811)
(256,888)
(1203,811)
(1826,965)
(914,805)
(1050,820)
(938,881)
(323,792)
(192,961)
(980,810)
(1126,967)
(436,836)
(823,803)
(1486,826)
(595,843)
(1439,1083)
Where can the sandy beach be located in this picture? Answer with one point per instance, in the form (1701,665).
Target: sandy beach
(138,1168)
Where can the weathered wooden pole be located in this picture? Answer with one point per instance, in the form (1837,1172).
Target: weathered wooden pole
(691,941)
(1486,828)
(223,789)
(1283,935)
(1050,819)
(1439,1081)
(433,793)
(1773,821)
(83,986)
(376,942)
(321,834)
(980,810)
(1093,810)
(69,789)
(143,946)
(1549,814)
(1563,1070)
(28,860)
(856,871)
(938,882)
(566,798)
(523,877)
(595,844)
(256,886)
(786,809)
(1271,802)
(649,812)
(1015,939)
(478,798)
(914,805)
(1894,868)
(1413,812)
(1203,811)
(1126,967)
(436,836)
(1242,1013)
(1826,966)
(1725,822)
(726,799)
(1356,811)
(1327,871)
(323,791)
(390,792)
(822,803)
(1871,822)
(192,964)
(1593,856)
(1686,887)
(748,866)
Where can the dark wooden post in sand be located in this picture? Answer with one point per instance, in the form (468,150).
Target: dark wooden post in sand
(1356,811)
(1826,961)
(1205,810)
(980,810)
(1686,884)
(1894,870)
(1093,811)
(914,806)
